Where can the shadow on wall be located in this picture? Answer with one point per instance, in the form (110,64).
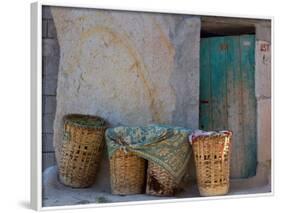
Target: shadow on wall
(50,67)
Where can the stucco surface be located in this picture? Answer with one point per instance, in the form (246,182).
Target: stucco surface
(129,68)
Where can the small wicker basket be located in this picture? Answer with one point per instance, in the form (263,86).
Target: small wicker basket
(127,173)
(212,160)
(159,181)
(82,148)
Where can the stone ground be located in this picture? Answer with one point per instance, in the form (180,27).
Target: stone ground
(56,194)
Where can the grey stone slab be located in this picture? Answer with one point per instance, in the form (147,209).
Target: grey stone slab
(51,66)
(48,160)
(47,140)
(49,104)
(56,194)
(52,33)
(49,86)
(263,32)
(44,29)
(46,12)
(48,123)
(264,130)
(186,40)
(130,68)
(263,70)
(50,47)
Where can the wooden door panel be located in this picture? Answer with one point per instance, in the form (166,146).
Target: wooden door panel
(218,82)
(234,104)
(227,96)
(205,86)
(247,58)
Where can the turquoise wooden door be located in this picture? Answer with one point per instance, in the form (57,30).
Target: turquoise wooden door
(227,96)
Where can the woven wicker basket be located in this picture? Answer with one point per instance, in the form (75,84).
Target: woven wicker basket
(127,173)
(212,160)
(81,150)
(159,181)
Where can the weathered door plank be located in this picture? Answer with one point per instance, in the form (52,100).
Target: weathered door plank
(228,97)
(234,103)
(218,82)
(205,86)
(247,58)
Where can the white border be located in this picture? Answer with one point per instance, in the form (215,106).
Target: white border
(36,103)
(132,203)
(99,5)
(36,106)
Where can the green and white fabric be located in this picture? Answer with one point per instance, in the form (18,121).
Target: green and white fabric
(165,145)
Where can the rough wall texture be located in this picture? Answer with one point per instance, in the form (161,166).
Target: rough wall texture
(123,77)
(263,94)
(129,68)
(50,60)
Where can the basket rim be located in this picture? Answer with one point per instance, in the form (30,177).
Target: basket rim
(68,118)
(215,134)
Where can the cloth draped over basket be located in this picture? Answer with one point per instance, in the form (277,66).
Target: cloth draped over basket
(164,145)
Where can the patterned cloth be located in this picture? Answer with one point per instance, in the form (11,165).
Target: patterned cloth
(165,145)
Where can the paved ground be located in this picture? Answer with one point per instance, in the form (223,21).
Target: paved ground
(56,194)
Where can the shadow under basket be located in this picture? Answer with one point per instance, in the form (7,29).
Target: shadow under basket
(159,181)
(82,148)
(127,173)
(212,160)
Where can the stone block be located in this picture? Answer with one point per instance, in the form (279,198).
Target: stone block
(263,32)
(263,70)
(50,47)
(44,29)
(49,104)
(47,140)
(47,123)
(130,68)
(52,33)
(46,12)
(49,86)
(264,130)
(51,66)
(48,160)
(56,194)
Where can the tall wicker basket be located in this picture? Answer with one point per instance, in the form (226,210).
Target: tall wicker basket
(127,173)
(212,160)
(82,148)
(159,181)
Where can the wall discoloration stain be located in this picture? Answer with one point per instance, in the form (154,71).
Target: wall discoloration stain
(119,70)
(119,41)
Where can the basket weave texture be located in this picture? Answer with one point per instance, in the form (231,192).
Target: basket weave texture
(81,150)
(165,147)
(212,160)
(127,173)
(159,181)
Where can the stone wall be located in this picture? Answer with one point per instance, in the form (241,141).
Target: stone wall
(263,95)
(50,63)
(178,111)
(130,68)
(137,69)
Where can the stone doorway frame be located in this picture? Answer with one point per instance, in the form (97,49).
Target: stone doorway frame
(222,26)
